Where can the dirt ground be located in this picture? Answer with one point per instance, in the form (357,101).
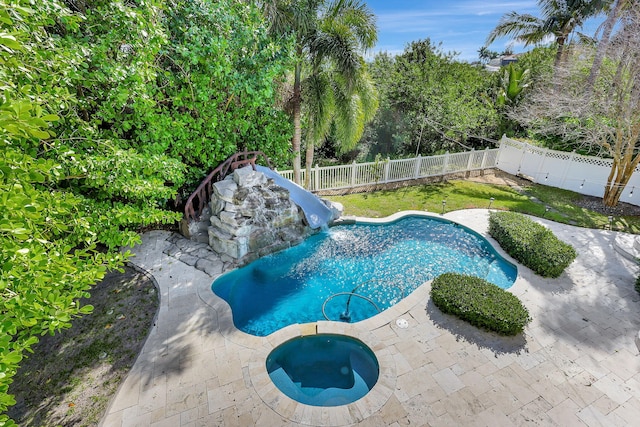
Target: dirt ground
(71,376)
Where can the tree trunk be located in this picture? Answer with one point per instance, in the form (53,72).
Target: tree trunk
(611,193)
(297,131)
(621,172)
(560,53)
(604,42)
(309,164)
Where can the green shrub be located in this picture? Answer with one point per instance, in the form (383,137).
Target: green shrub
(480,303)
(638,284)
(531,243)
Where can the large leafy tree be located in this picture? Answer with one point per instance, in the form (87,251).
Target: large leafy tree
(191,80)
(604,118)
(103,104)
(48,248)
(446,104)
(215,89)
(330,82)
(93,64)
(559,19)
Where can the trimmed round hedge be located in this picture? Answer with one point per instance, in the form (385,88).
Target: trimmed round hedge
(480,303)
(532,244)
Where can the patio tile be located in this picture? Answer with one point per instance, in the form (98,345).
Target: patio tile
(565,414)
(440,358)
(622,363)
(493,417)
(533,413)
(448,381)
(614,388)
(578,364)
(504,400)
(592,417)
(414,383)
(628,411)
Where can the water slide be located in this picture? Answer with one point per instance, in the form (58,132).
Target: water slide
(316,212)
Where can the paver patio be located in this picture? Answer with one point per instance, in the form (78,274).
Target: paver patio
(576,364)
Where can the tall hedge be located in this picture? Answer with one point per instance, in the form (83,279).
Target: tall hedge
(531,243)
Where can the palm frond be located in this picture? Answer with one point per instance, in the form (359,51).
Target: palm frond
(353,109)
(525,27)
(318,107)
(337,45)
(360,19)
(349,119)
(368,95)
(586,39)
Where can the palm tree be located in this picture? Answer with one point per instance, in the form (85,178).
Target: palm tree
(485,55)
(298,19)
(331,84)
(338,88)
(559,20)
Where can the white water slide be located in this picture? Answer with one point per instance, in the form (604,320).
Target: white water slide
(316,212)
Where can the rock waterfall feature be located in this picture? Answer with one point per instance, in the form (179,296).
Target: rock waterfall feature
(252,217)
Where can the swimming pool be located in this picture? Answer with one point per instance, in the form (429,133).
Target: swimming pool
(361,269)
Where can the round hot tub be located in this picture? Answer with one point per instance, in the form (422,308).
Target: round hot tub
(323,369)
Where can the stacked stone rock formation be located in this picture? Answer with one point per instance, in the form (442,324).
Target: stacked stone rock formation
(252,217)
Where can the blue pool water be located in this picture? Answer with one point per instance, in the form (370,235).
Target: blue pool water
(323,370)
(381,263)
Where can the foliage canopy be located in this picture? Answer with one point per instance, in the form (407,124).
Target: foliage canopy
(429,103)
(110,111)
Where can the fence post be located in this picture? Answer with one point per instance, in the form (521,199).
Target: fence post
(470,161)
(523,151)
(501,148)
(316,181)
(567,167)
(536,178)
(445,163)
(386,170)
(416,168)
(484,159)
(353,174)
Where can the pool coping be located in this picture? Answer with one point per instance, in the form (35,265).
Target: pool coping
(381,392)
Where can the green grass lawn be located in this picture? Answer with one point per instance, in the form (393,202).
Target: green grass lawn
(460,194)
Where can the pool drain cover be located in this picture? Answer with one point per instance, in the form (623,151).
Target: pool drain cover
(402,323)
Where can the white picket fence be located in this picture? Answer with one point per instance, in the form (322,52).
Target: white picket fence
(388,171)
(570,171)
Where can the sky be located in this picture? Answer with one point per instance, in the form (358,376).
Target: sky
(461,25)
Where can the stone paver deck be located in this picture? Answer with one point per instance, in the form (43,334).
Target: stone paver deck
(576,364)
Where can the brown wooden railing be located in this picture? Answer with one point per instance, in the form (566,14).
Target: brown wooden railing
(198,200)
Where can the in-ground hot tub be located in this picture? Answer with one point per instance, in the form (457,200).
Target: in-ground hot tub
(323,369)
